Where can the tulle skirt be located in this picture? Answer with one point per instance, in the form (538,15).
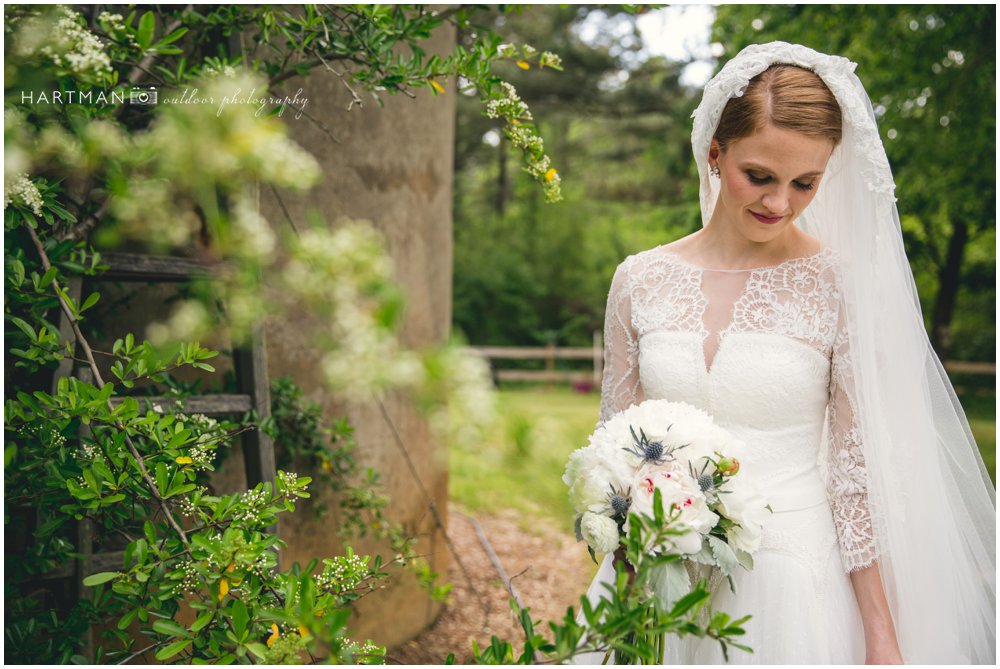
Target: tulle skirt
(803,606)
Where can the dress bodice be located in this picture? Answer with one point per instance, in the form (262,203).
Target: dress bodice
(760,351)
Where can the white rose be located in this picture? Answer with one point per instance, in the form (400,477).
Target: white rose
(600,532)
(745,506)
(680,492)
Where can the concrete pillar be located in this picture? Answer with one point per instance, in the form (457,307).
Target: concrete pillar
(392,166)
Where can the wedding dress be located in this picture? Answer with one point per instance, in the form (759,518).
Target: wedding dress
(822,365)
(760,350)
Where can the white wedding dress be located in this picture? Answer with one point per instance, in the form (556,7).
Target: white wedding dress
(764,351)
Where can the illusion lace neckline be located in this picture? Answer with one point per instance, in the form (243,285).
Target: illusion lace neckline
(681,260)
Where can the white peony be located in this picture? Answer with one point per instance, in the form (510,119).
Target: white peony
(744,505)
(600,532)
(679,492)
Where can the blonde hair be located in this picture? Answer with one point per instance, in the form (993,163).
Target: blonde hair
(786,96)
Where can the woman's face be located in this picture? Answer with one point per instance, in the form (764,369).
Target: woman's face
(767,180)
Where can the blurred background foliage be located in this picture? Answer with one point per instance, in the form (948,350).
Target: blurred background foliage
(617,122)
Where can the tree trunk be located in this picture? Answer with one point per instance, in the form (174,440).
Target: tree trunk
(949,278)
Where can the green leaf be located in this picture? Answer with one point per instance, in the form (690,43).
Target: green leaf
(24,327)
(240,618)
(170,628)
(670,582)
(47,277)
(172,649)
(90,301)
(161,477)
(127,619)
(724,555)
(147,24)
(172,37)
(744,558)
(203,619)
(258,649)
(100,577)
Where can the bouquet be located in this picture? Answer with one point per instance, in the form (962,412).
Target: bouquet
(673,454)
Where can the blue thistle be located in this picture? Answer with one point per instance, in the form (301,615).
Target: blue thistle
(619,501)
(650,451)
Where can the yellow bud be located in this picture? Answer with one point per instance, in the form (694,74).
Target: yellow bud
(550,174)
(524,65)
(231,567)
(327,466)
(303,632)
(184,460)
(274,635)
(438,87)
(223,587)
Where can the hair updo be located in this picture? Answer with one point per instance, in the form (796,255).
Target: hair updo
(786,96)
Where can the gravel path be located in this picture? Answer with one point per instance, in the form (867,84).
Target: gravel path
(547,566)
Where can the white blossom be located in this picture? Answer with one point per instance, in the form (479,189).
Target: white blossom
(600,532)
(22,190)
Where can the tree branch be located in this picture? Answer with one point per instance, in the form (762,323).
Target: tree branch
(89,353)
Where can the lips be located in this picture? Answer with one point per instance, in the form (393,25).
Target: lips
(768,220)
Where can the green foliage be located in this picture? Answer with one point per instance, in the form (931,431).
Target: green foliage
(527,274)
(169,176)
(491,475)
(625,621)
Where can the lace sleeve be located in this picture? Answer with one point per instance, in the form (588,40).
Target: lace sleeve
(847,477)
(620,385)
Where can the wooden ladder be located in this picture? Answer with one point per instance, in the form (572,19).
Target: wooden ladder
(250,366)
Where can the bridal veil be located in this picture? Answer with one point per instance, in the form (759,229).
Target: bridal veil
(933,505)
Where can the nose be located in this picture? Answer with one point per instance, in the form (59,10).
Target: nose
(776,200)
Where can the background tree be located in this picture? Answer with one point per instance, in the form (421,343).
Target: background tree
(617,125)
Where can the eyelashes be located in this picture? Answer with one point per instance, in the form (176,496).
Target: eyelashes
(760,181)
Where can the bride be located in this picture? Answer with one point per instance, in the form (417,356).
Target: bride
(792,318)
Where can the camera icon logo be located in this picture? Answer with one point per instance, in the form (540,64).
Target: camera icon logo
(143,95)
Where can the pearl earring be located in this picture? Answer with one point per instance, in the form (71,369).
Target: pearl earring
(715,171)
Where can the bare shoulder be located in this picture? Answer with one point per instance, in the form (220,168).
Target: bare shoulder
(808,245)
(681,245)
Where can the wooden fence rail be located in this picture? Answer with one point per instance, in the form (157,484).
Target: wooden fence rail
(549,354)
(595,353)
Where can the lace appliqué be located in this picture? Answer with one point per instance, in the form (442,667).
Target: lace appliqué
(847,482)
(620,383)
(796,299)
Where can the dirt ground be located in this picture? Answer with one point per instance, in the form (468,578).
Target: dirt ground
(548,568)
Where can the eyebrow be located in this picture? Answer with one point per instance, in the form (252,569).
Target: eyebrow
(761,168)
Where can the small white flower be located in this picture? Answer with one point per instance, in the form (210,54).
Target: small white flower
(22,190)
(600,532)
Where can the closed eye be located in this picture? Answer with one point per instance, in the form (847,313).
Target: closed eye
(762,180)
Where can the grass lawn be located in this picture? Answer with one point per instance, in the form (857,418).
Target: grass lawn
(521,466)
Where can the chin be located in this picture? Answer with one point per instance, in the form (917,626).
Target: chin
(757,232)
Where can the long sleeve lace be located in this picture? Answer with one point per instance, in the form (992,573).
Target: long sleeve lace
(847,477)
(620,386)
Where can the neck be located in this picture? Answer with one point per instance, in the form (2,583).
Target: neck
(719,245)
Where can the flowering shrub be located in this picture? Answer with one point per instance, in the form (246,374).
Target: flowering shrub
(85,169)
